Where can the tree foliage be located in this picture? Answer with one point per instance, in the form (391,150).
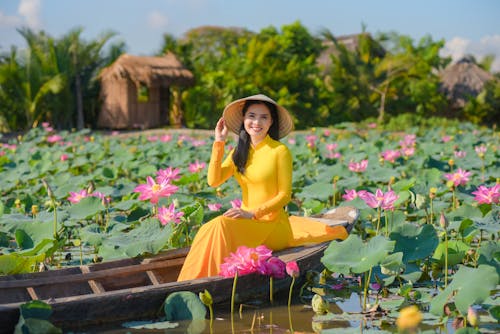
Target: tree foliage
(382,77)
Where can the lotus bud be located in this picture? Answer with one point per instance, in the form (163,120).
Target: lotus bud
(91,187)
(292,269)
(336,178)
(17,203)
(443,221)
(34,210)
(319,305)
(206,297)
(472,317)
(409,318)
(451,162)
(49,190)
(432,192)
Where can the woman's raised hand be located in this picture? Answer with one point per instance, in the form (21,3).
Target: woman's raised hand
(221,130)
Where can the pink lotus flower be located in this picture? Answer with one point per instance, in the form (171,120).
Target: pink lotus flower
(64,157)
(165,138)
(152,138)
(196,166)
(379,199)
(311,141)
(214,206)
(334,155)
(273,267)
(358,167)
(445,139)
(115,133)
(292,269)
(54,139)
(408,141)
(460,154)
(485,195)
(45,124)
(168,215)
(391,155)
(460,177)
(480,150)
(153,191)
(198,142)
(331,147)
(352,194)
(168,174)
(372,125)
(75,197)
(327,133)
(236,203)
(407,151)
(105,200)
(245,260)
(292,141)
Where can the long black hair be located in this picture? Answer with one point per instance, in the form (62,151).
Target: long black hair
(240,154)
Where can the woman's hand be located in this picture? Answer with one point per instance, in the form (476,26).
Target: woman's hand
(221,130)
(238,213)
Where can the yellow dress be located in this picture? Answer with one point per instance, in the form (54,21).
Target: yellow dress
(266,189)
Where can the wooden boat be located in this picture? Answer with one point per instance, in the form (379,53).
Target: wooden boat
(135,288)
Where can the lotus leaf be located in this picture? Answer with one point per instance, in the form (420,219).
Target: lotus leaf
(469,286)
(184,305)
(456,252)
(15,263)
(354,256)
(148,237)
(150,325)
(23,240)
(415,242)
(86,208)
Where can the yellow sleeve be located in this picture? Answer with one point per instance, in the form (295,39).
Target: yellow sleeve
(218,171)
(284,179)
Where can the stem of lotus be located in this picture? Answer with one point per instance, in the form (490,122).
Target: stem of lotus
(289,304)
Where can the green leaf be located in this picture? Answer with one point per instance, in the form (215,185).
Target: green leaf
(87,207)
(36,309)
(456,252)
(354,256)
(184,305)
(23,240)
(469,286)
(149,237)
(36,326)
(415,242)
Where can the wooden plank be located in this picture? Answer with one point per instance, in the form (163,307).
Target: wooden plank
(94,285)
(32,293)
(153,278)
(107,273)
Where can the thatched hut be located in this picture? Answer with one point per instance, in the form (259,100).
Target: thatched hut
(463,80)
(142,92)
(352,43)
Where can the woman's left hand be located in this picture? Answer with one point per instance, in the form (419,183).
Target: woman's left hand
(238,213)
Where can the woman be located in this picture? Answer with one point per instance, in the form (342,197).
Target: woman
(262,167)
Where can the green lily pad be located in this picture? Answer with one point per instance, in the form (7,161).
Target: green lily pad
(415,242)
(469,286)
(354,256)
(184,305)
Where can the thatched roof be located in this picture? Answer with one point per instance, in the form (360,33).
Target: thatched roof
(463,79)
(350,42)
(166,69)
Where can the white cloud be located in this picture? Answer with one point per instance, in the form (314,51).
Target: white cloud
(30,10)
(157,20)
(9,21)
(459,47)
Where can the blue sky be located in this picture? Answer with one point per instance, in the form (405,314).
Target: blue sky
(467,26)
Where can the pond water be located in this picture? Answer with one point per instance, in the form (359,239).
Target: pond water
(344,317)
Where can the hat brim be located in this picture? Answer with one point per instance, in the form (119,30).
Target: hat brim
(233,116)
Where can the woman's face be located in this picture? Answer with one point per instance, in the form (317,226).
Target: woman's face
(257,122)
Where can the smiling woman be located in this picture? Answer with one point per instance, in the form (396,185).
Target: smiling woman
(262,166)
